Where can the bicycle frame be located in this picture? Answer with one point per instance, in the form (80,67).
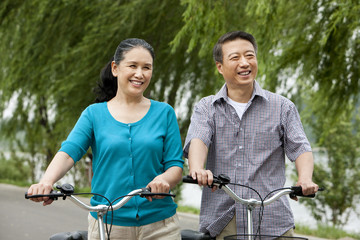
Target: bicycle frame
(102,209)
(222,180)
(67,191)
(251,204)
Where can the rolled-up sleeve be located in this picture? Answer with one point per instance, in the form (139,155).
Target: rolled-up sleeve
(295,140)
(172,155)
(79,139)
(201,125)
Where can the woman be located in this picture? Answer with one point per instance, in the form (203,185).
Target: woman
(135,142)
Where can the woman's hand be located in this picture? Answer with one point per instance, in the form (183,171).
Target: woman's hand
(164,182)
(158,185)
(60,164)
(40,188)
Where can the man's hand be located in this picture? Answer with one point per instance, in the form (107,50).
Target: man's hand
(305,167)
(203,177)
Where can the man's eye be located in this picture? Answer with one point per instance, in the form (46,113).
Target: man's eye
(132,66)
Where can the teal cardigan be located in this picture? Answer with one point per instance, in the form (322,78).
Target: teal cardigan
(128,157)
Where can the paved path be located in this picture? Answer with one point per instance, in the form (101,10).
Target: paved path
(27,220)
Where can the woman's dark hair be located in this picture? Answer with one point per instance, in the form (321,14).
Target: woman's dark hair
(107,86)
(231,36)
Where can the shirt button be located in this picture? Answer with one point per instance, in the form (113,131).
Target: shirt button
(130,139)
(241,129)
(240,147)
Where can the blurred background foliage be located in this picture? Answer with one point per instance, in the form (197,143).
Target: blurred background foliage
(52,53)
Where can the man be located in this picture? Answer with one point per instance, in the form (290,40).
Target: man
(244,132)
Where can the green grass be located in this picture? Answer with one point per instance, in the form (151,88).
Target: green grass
(16,183)
(188,209)
(325,231)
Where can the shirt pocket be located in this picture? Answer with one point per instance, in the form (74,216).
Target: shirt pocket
(264,146)
(266,141)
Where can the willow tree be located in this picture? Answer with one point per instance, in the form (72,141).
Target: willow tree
(312,45)
(52,53)
(308,51)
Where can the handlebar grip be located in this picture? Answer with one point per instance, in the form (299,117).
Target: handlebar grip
(53,196)
(189,179)
(297,191)
(147,192)
(217,180)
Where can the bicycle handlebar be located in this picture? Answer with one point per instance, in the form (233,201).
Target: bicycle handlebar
(222,180)
(67,190)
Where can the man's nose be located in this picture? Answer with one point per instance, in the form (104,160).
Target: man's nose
(243,62)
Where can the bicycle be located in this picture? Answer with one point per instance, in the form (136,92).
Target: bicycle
(221,182)
(67,191)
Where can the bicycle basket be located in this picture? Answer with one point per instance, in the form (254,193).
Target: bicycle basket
(260,237)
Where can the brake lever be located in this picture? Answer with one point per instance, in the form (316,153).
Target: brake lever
(221,180)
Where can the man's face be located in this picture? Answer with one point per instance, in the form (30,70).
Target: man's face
(239,65)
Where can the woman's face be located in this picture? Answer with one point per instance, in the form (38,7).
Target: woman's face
(134,72)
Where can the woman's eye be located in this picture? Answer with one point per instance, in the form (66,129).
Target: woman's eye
(132,66)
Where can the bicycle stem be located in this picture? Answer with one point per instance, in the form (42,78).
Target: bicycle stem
(102,209)
(251,204)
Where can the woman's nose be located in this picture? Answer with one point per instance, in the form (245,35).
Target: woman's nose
(138,72)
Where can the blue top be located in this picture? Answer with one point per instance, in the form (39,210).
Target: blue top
(127,157)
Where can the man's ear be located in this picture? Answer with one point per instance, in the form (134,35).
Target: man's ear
(219,67)
(114,69)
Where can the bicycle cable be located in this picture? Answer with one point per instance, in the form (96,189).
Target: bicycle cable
(108,231)
(261,210)
(109,207)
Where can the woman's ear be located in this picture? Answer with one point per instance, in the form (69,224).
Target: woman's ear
(114,69)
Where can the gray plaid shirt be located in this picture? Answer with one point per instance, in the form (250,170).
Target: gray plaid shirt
(251,151)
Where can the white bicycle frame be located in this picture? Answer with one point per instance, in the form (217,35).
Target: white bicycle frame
(221,182)
(251,204)
(101,210)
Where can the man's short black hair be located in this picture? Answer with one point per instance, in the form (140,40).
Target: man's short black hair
(230,36)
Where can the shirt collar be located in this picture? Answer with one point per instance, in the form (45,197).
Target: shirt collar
(258,91)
